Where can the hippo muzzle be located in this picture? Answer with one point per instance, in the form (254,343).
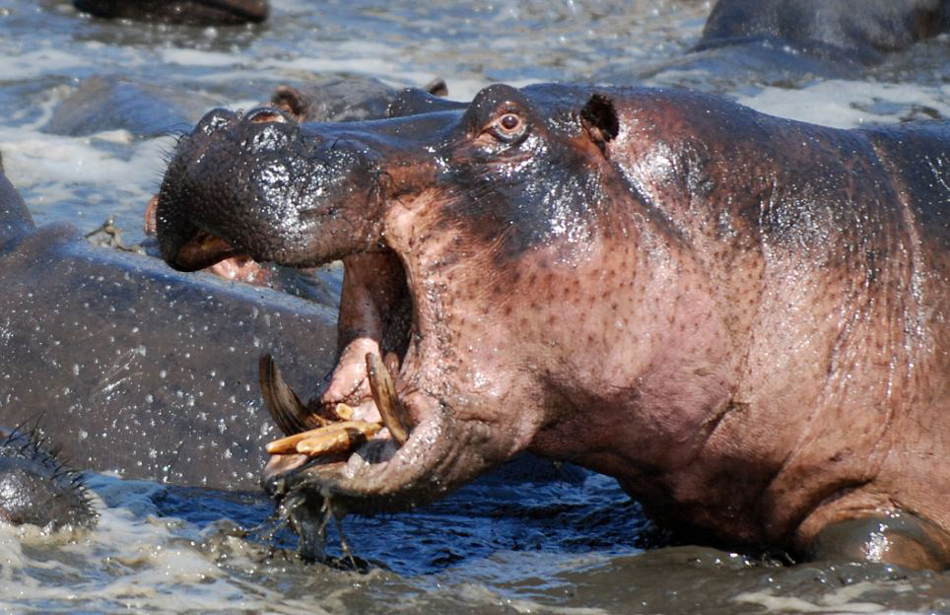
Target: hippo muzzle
(266,160)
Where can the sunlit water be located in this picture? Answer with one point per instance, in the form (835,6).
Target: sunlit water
(532,539)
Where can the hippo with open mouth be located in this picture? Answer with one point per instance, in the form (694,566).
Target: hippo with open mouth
(741,318)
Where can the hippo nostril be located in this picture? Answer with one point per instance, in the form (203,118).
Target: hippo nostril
(266,115)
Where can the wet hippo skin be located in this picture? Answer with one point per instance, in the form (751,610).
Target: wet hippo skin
(740,317)
(191,12)
(127,367)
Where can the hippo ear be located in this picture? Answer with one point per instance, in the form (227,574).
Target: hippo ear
(289,99)
(599,119)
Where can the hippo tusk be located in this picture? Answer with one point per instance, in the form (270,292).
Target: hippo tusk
(384,395)
(338,437)
(283,404)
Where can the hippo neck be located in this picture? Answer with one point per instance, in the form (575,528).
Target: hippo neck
(15,219)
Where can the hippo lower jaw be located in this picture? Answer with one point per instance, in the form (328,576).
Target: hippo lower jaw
(381,477)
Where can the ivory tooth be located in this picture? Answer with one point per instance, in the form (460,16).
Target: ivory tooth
(334,438)
(282,403)
(384,395)
(343,412)
(325,444)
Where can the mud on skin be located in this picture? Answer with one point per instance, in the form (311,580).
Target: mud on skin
(739,317)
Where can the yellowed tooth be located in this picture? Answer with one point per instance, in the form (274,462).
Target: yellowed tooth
(343,412)
(384,396)
(325,443)
(335,438)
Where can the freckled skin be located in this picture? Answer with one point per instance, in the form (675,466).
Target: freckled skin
(739,317)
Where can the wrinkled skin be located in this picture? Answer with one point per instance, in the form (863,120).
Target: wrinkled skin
(741,318)
(37,488)
(190,12)
(132,369)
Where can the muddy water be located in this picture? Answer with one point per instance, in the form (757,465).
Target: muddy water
(533,537)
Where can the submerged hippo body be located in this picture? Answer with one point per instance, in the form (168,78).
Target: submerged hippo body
(148,109)
(861,29)
(741,318)
(127,368)
(782,42)
(190,12)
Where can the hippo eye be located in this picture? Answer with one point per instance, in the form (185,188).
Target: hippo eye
(509,126)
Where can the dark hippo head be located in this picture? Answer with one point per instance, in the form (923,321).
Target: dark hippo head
(37,488)
(471,202)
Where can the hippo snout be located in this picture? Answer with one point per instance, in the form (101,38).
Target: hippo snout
(260,179)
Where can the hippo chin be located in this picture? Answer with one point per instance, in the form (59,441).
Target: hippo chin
(741,318)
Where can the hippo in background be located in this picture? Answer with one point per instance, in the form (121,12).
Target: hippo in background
(859,31)
(134,369)
(786,42)
(185,12)
(740,317)
(147,110)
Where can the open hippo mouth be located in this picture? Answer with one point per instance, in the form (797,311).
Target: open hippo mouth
(387,434)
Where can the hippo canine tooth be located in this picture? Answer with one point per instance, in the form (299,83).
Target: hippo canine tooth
(384,395)
(282,403)
(335,438)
